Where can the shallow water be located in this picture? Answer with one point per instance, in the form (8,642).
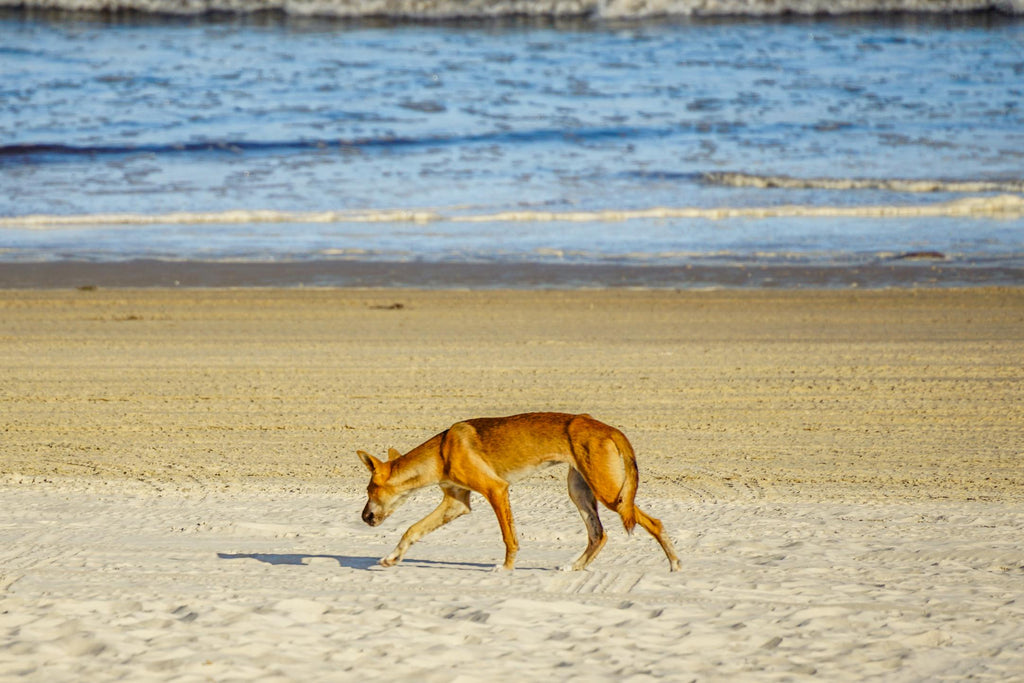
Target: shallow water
(668,141)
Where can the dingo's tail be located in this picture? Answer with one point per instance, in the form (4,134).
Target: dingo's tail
(626,503)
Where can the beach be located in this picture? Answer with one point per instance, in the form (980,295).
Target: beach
(776,242)
(839,469)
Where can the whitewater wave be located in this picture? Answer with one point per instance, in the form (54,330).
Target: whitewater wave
(1001,206)
(891,184)
(455,9)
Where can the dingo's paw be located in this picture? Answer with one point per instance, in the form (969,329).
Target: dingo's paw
(389,561)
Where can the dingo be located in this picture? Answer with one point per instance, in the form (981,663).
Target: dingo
(487,453)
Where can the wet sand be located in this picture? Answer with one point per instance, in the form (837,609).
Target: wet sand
(841,471)
(910,269)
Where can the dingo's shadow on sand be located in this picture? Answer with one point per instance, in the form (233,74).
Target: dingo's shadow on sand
(302,560)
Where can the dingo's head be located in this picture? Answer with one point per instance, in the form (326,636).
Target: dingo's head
(383,497)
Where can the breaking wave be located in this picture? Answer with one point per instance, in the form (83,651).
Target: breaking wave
(456,9)
(1001,206)
(891,184)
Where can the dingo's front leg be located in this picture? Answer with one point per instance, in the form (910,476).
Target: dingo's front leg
(454,504)
(497,496)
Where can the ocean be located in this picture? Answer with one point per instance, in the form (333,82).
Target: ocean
(640,143)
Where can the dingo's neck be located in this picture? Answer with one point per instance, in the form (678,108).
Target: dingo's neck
(419,467)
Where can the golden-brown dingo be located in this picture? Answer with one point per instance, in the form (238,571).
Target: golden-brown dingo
(487,453)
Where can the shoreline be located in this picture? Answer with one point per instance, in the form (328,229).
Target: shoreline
(912,270)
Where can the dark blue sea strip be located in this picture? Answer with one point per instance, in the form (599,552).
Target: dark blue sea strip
(41,152)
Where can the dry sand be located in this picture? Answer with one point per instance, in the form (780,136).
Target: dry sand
(841,472)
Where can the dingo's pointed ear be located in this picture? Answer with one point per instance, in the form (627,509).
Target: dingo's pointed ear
(393,453)
(371,462)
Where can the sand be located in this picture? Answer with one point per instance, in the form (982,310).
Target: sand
(840,470)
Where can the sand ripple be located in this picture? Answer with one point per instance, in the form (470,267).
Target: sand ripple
(119,582)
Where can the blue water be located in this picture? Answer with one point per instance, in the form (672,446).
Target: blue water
(465,122)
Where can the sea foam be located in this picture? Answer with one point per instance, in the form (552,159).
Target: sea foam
(1000,206)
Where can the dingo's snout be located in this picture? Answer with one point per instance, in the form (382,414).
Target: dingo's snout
(371,517)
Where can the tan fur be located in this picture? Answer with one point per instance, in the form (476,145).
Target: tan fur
(485,454)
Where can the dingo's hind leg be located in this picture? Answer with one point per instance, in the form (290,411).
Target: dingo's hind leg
(454,504)
(580,493)
(656,529)
(606,461)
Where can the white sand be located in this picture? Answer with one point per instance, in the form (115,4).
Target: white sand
(120,581)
